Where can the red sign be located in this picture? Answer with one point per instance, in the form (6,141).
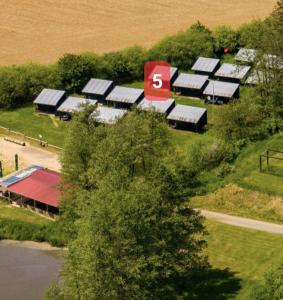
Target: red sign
(157,80)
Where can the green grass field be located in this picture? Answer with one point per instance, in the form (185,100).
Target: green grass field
(247,253)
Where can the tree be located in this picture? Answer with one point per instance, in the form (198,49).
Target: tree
(272,286)
(76,70)
(136,237)
(226,37)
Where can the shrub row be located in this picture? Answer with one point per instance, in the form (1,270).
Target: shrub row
(21,84)
(21,231)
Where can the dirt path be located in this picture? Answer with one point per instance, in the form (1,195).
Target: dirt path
(28,155)
(243,222)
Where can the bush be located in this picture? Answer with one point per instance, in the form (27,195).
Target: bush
(224,170)
(182,49)
(18,230)
(226,37)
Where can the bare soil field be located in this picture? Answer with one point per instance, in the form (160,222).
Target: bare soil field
(41,31)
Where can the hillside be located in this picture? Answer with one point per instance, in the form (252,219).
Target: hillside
(41,31)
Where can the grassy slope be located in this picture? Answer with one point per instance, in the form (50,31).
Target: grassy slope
(26,121)
(248,253)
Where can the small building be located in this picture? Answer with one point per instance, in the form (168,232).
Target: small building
(221,92)
(73,104)
(35,188)
(191,85)
(206,66)
(245,55)
(124,97)
(232,73)
(161,106)
(98,89)
(258,77)
(49,100)
(159,69)
(188,117)
(271,61)
(108,115)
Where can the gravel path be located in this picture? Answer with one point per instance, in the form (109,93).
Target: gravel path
(29,155)
(243,222)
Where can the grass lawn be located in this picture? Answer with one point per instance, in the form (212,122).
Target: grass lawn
(247,253)
(15,213)
(26,121)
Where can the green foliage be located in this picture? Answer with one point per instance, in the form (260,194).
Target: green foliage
(182,49)
(53,293)
(22,231)
(74,71)
(226,37)
(272,287)
(21,84)
(133,237)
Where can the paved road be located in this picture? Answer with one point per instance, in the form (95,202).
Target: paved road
(29,155)
(243,222)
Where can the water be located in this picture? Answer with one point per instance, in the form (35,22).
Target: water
(25,273)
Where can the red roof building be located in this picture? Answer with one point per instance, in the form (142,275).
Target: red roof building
(41,186)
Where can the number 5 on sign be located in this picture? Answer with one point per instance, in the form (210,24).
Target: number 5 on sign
(157,80)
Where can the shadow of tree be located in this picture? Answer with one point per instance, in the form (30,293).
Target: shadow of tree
(215,284)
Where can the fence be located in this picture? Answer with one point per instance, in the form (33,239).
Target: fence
(31,140)
(267,156)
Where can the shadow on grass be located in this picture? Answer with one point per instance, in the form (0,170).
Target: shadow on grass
(216,284)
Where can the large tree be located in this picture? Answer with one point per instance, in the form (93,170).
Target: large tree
(133,237)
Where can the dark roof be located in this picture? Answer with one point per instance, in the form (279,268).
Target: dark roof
(49,97)
(221,89)
(204,64)
(185,113)
(41,186)
(232,71)
(72,104)
(191,81)
(97,86)
(125,94)
(161,106)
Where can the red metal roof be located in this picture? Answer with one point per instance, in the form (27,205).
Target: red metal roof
(41,185)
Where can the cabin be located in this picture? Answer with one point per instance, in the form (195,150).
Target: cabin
(35,188)
(98,89)
(160,106)
(159,69)
(72,105)
(124,97)
(191,85)
(245,55)
(188,117)
(232,73)
(258,77)
(271,61)
(206,66)
(108,115)
(219,92)
(49,100)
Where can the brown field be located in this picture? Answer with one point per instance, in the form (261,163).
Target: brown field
(41,31)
